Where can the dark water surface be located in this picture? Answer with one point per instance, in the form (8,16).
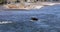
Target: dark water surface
(48,20)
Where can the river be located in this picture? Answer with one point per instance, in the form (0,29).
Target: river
(48,20)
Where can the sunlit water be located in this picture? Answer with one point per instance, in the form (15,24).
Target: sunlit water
(48,20)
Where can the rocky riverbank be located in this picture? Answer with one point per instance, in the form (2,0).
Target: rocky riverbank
(27,6)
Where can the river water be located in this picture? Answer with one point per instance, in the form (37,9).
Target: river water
(48,20)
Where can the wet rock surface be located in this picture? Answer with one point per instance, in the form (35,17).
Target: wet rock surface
(48,20)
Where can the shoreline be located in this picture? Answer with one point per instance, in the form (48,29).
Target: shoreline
(31,6)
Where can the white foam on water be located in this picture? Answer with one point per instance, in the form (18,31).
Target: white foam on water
(5,22)
(51,4)
(38,7)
